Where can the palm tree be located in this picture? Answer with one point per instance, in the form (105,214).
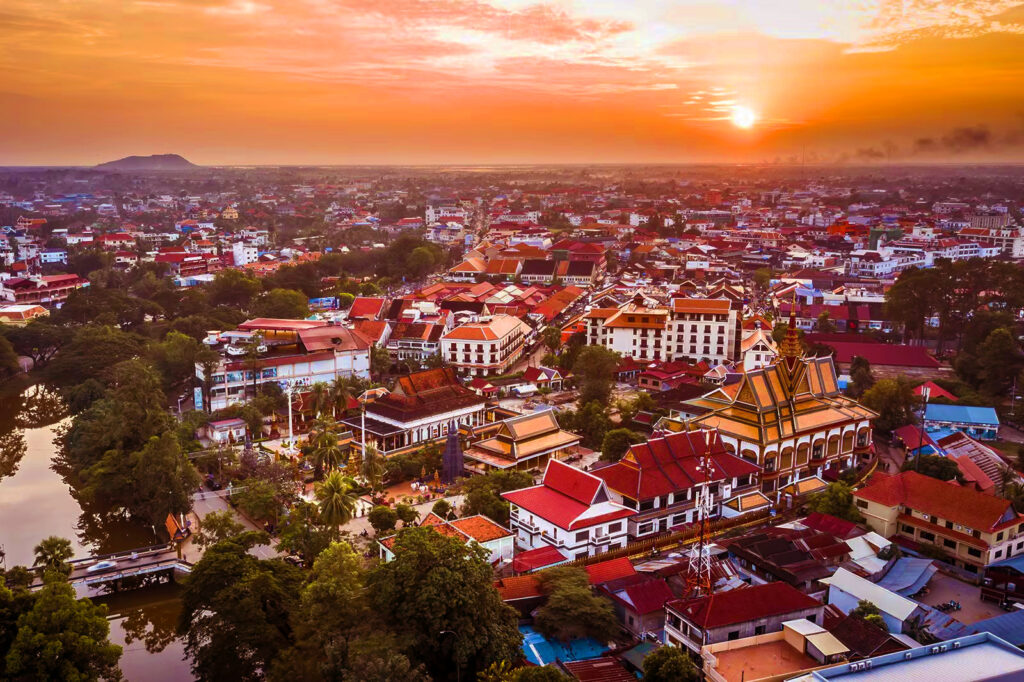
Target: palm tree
(372,468)
(336,499)
(320,392)
(340,392)
(327,453)
(54,553)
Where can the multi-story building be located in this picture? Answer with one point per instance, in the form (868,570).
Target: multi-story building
(975,529)
(414,341)
(487,347)
(300,352)
(691,330)
(735,614)
(571,510)
(50,290)
(660,478)
(789,417)
(1009,239)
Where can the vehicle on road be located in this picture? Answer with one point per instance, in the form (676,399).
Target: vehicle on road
(101,566)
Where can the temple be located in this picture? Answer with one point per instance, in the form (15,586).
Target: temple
(789,417)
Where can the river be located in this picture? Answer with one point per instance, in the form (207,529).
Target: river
(36,502)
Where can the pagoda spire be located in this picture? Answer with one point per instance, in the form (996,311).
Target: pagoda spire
(790,350)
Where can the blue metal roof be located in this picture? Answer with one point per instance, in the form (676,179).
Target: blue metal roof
(1016,562)
(908,575)
(962,414)
(1009,626)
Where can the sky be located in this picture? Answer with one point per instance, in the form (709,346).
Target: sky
(511,81)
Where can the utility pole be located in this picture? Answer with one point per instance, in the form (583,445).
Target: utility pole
(925,392)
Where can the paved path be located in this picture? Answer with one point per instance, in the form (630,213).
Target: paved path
(214,501)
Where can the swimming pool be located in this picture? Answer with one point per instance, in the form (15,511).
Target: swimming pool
(540,650)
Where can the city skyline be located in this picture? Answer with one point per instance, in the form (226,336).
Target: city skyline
(511,81)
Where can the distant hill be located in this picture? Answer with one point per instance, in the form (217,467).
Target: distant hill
(160,162)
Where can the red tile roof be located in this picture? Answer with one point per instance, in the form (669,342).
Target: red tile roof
(366,308)
(883,354)
(670,464)
(922,493)
(518,587)
(613,569)
(571,482)
(743,605)
(480,528)
(533,559)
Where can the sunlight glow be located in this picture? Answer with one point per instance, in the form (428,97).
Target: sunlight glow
(743,117)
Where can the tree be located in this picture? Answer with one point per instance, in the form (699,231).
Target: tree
(233,288)
(443,509)
(235,611)
(590,421)
(572,610)
(328,454)
(669,664)
(450,614)
(62,638)
(332,611)
(372,468)
(258,498)
(282,303)
(869,612)
(616,443)
(175,358)
(763,278)
(999,360)
(90,354)
(217,526)
(406,514)
(893,400)
(936,466)
(336,499)
(382,518)
(836,500)
(39,340)
(911,300)
(595,371)
(380,361)
(304,533)
(53,554)
(861,378)
(420,262)
(9,365)
(162,480)
(824,324)
(483,493)
(552,337)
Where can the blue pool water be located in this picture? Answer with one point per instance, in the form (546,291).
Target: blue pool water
(540,650)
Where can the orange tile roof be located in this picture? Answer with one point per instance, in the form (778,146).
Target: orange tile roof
(480,528)
(930,495)
(518,587)
(718,306)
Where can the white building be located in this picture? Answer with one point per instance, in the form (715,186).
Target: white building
(570,510)
(474,530)
(484,348)
(244,253)
(691,330)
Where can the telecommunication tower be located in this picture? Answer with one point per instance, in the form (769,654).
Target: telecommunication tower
(699,573)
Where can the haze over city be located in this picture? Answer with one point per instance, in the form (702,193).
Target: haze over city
(511,81)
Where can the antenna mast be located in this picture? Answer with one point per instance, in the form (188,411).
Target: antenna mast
(699,574)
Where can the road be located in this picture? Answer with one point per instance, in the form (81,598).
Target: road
(204,503)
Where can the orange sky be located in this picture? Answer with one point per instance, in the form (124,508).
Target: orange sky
(510,81)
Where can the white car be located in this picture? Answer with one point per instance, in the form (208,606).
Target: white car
(101,566)
(235,350)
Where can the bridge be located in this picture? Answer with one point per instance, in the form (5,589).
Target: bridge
(160,561)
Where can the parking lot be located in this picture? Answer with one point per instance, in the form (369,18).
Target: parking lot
(944,587)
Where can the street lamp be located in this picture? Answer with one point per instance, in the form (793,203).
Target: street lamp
(289,388)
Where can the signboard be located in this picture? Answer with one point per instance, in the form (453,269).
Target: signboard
(328,303)
(197,396)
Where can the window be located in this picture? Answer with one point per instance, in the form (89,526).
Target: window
(905,528)
(615,527)
(949,543)
(949,524)
(862,504)
(646,505)
(973,552)
(999,536)
(735,634)
(583,536)
(644,528)
(760,629)
(925,535)
(998,554)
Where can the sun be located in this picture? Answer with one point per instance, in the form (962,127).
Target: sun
(743,117)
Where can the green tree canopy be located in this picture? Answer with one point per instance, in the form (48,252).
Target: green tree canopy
(669,664)
(616,442)
(236,611)
(383,519)
(62,638)
(9,365)
(935,466)
(438,597)
(233,288)
(483,493)
(53,554)
(836,500)
(282,303)
(893,400)
(217,526)
(595,368)
(861,378)
(572,610)
(92,351)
